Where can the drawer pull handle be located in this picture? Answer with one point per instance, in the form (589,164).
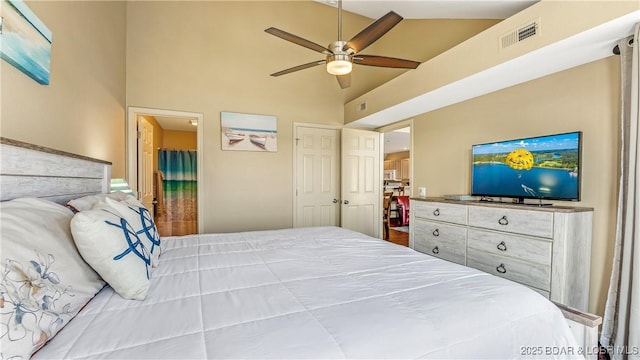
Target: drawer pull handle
(501,269)
(502,246)
(435,250)
(503,220)
(436,232)
(436,212)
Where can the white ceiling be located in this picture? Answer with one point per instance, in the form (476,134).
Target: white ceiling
(435,9)
(176,124)
(397,140)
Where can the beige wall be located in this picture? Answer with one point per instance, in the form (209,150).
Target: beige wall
(584,98)
(215,56)
(83,109)
(181,140)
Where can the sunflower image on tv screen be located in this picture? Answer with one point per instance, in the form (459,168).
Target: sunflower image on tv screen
(520,159)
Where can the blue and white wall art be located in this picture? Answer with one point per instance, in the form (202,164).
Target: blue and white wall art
(25,41)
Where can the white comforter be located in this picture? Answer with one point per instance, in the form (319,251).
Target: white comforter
(312,293)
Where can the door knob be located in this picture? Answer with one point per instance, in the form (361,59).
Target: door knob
(346,202)
(335,201)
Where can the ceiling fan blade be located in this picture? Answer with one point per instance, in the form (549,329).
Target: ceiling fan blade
(384,61)
(297,40)
(373,32)
(344,80)
(299,67)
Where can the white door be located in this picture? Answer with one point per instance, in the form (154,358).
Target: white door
(145,163)
(361,183)
(317,177)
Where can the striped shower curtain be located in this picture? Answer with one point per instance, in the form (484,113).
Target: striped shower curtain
(178,212)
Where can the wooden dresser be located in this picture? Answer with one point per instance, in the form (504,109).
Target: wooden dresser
(547,248)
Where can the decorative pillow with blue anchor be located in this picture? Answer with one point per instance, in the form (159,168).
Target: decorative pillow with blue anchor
(140,219)
(114,249)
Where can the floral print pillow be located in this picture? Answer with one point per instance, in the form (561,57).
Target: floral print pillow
(30,301)
(44,281)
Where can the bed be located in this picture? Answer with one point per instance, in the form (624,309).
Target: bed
(323,292)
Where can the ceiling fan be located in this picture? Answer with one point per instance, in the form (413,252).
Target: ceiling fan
(341,55)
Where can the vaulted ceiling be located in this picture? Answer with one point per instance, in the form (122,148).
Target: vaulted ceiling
(429,28)
(435,9)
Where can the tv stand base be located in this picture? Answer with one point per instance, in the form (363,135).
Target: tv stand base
(518,201)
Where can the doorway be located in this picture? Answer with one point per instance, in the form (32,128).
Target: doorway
(171,169)
(397,182)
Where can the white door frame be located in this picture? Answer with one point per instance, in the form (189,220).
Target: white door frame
(399,125)
(296,125)
(389,128)
(132,148)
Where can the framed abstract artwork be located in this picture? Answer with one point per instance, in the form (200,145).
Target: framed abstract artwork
(25,41)
(248,132)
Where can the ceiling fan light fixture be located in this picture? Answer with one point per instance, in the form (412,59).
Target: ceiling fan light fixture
(339,64)
(339,67)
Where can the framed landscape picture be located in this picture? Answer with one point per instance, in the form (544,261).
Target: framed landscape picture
(25,41)
(248,132)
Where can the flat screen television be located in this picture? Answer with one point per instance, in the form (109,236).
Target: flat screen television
(543,167)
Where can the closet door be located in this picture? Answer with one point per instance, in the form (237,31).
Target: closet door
(317,177)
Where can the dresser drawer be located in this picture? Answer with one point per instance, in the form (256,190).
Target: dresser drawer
(440,211)
(443,250)
(444,241)
(509,245)
(527,273)
(534,223)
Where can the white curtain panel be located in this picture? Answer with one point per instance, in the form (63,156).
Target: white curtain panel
(621,326)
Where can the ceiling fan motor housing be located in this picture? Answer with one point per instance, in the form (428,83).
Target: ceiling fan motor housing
(339,62)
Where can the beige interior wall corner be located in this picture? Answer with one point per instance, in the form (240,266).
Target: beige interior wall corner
(194,65)
(82,110)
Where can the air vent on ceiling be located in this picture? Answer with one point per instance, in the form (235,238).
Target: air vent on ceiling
(362,107)
(520,34)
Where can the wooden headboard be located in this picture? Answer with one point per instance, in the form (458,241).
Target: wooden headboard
(36,171)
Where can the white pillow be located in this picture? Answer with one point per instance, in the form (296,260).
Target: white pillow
(111,246)
(90,201)
(44,281)
(142,223)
